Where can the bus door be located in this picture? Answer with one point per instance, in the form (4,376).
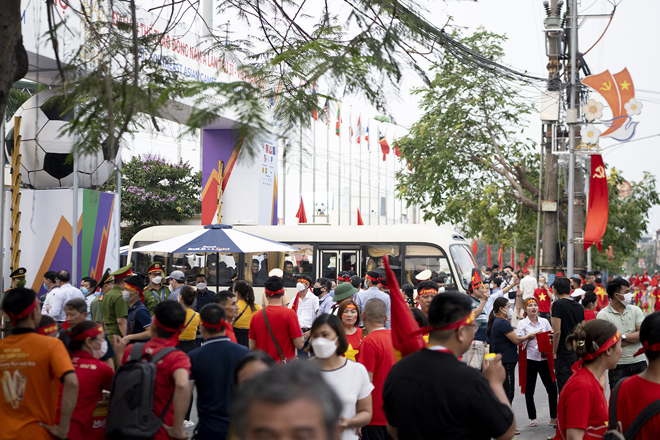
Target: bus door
(333,261)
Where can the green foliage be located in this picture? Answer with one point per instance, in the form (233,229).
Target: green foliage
(155,191)
(469,165)
(627,221)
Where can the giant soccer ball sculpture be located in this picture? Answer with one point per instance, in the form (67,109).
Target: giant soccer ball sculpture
(44,152)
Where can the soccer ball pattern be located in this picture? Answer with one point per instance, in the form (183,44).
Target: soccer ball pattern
(44,153)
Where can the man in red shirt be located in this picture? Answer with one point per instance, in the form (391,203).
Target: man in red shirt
(639,391)
(172,373)
(286,336)
(543,298)
(377,355)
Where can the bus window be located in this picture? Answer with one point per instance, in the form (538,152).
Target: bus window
(373,258)
(328,267)
(464,263)
(258,266)
(224,269)
(422,257)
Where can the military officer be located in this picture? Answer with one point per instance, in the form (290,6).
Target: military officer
(104,285)
(17,280)
(115,308)
(155,292)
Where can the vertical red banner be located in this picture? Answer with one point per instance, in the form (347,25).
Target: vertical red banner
(599,204)
(490,256)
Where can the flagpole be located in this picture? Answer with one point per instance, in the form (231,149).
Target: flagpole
(369,172)
(350,165)
(300,179)
(339,169)
(360,163)
(284,148)
(378,171)
(314,176)
(327,168)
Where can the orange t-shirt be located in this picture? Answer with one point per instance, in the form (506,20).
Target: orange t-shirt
(31,368)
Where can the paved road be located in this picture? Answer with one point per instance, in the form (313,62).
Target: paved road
(527,432)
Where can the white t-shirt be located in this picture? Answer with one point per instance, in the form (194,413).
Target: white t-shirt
(527,286)
(526,327)
(351,383)
(308,307)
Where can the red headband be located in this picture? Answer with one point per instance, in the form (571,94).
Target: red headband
(591,356)
(23,314)
(304,281)
(132,287)
(273,292)
(174,339)
(369,277)
(47,329)
(469,319)
(344,278)
(382,283)
(646,347)
(91,333)
(429,291)
(217,327)
(350,306)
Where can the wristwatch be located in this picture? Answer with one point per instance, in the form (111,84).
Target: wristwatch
(623,338)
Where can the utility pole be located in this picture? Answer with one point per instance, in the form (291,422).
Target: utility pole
(550,118)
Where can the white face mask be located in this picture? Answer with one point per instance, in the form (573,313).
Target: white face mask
(627,298)
(301,286)
(324,348)
(509,314)
(98,354)
(441,290)
(157,280)
(126,295)
(201,286)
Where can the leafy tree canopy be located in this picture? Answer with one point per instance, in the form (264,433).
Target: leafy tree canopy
(155,191)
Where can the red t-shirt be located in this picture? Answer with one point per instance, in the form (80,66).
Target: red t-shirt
(377,355)
(603,300)
(582,405)
(94,376)
(164,386)
(354,342)
(542,295)
(636,394)
(284,323)
(589,315)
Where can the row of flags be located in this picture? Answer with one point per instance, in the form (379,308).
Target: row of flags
(301,215)
(524,265)
(382,141)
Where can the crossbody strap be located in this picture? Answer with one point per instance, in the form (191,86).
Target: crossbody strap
(190,320)
(239,316)
(272,335)
(641,419)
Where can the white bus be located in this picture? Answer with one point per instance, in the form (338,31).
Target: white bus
(324,251)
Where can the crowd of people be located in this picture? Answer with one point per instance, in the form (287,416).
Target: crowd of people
(120,357)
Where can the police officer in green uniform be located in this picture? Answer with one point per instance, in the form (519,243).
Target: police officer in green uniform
(17,280)
(155,292)
(104,285)
(115,309)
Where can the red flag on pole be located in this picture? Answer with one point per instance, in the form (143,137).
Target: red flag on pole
(499,258)
(300,215)
(404,326)
(599,204)
(474,247)
(513,260)
(359,219)
(490,256)
(522,259)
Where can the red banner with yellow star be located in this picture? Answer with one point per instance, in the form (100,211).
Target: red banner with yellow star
(599,204)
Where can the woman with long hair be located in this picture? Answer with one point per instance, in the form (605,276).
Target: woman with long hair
(537,363)
(189,333)
(348,379)
(246,309)
(582,411)
(350,318)
(504,341)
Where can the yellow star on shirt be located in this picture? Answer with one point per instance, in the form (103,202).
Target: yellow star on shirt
(624,85)
(542,296)
(350,353)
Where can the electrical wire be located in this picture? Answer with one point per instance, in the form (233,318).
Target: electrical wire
(603,34)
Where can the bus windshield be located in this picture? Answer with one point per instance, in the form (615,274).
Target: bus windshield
(464,262)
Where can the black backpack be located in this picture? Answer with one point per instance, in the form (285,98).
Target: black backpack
(131,409)
(614,433)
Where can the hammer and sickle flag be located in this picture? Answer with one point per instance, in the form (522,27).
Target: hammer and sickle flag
(598,204)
